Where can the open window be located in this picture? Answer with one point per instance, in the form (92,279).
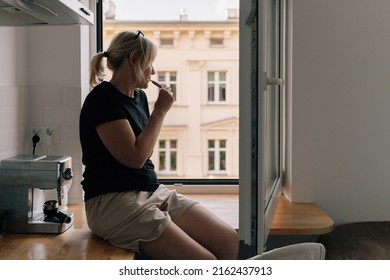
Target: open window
(262,91)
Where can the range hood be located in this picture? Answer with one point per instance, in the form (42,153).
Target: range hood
(44,12)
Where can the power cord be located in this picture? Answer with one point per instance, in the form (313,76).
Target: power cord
(35,140)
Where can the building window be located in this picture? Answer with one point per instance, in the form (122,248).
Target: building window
(216,86)
(166,42)
(217,155)
(167,151)
(216,42)
(169,78)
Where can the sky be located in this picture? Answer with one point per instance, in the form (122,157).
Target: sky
(170,9)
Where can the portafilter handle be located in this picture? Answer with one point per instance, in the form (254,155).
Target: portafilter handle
(50,209)
(63,217)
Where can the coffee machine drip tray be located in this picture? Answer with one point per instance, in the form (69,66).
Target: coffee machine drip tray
(40,224)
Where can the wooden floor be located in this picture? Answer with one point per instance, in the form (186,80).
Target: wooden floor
(78,243)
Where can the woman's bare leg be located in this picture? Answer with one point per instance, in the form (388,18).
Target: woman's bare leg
(210,231)
(174,243)
(197,234)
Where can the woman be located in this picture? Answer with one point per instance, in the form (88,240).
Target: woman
(124,202)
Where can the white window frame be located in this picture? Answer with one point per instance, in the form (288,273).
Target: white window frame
(217,153)
(216,83)
(167,80)
(168,153)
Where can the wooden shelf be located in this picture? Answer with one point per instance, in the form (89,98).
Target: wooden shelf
(78,243)
(300,219)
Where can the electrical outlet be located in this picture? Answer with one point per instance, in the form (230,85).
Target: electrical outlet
(36,131)
(52,134)
(50,131)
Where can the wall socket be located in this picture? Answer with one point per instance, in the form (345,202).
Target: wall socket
(36,131)
(50,131)
(46,132)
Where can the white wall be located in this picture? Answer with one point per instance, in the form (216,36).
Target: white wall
(13,90)
(58,58)
(43,81)
(340,156)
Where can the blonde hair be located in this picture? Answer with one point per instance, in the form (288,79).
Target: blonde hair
(121,46)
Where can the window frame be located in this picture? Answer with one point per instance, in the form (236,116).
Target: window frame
(216,82)
(216,150)
(168,150)
(168,81)
(265,25)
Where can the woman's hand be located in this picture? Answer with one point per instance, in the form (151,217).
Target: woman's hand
(165,100)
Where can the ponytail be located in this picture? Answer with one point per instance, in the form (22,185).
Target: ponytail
(96,69)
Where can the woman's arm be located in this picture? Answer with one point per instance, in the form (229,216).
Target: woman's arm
(121,142)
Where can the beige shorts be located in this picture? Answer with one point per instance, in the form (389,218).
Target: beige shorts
(126,218)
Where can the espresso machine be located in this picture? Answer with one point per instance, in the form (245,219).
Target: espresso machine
(24,180)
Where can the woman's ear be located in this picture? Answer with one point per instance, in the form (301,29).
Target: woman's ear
(131,57)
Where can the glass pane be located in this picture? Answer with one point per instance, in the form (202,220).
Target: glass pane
(210,76)
(161,77)
(211,143)
(162,143)
(222,92)
(272,102)
(173,89)
(222,76)
(162,161)
(211,160)
(222,161)
(173,144)
(172,77)
(173,161)
(210,93)
(222,143)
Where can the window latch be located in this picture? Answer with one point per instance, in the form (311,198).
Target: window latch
(271,81)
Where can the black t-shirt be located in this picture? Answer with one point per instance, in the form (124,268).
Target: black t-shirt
(103,173)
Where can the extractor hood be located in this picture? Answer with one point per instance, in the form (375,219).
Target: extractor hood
(44,12)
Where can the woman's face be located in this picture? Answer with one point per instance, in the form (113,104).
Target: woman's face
(149,71)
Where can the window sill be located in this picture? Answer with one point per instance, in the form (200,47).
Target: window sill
(293,218)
